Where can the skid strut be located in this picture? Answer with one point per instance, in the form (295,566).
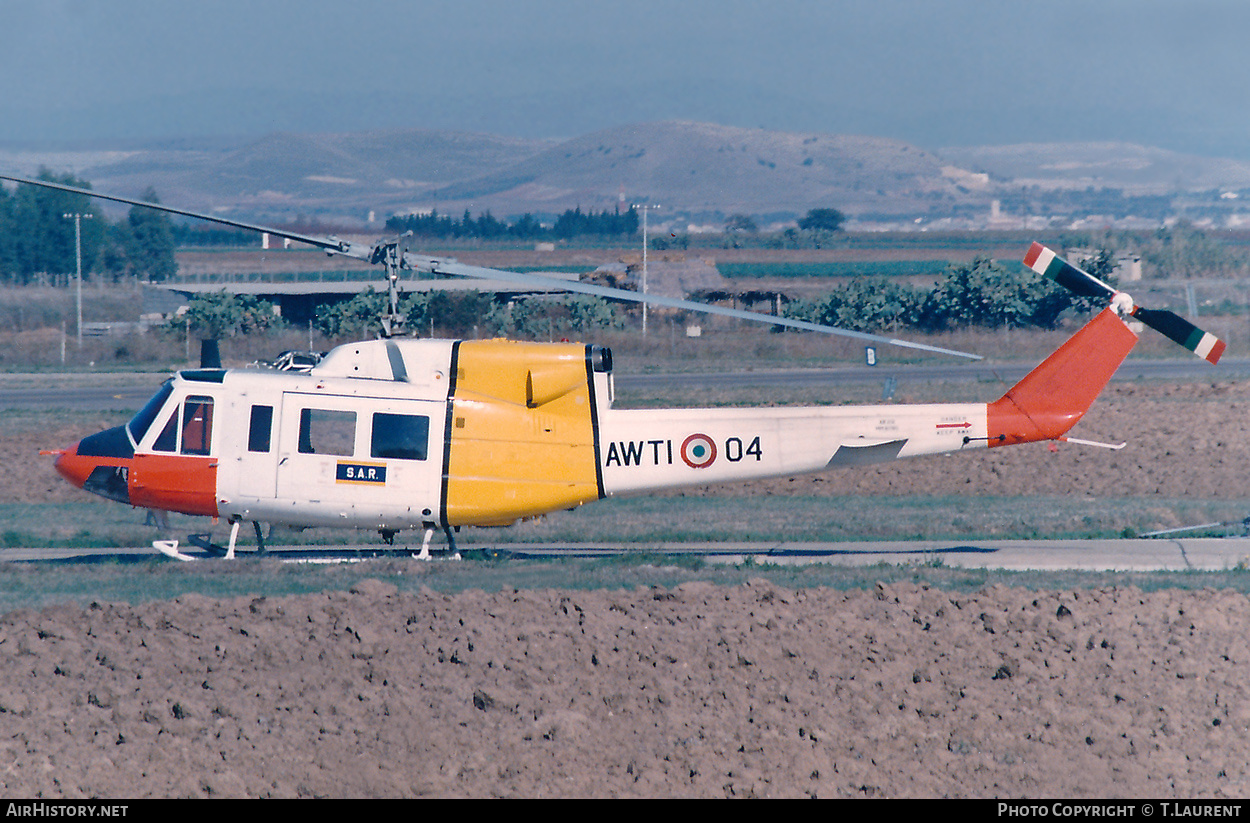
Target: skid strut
(425,543)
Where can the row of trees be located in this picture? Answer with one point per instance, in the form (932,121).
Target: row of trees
(827,220)
(453,313)
(572,223)
(981,293)
(576,223)
(37,237)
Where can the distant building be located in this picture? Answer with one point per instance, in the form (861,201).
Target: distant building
(1127,266)
(668,275)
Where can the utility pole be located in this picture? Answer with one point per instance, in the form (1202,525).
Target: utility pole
(78,218)
(645,209)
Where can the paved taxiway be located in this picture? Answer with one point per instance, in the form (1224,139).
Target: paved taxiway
(1162,554)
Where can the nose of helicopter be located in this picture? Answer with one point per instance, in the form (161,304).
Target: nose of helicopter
(99,464)
(73,467)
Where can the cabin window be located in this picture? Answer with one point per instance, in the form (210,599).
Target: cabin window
(400,436)
(260,429)
(197,425)
(322,431)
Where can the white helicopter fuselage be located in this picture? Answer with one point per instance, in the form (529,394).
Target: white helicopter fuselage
(393,434)
(649,450)
(404,433)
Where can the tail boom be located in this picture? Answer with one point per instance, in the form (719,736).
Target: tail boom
(1050,400)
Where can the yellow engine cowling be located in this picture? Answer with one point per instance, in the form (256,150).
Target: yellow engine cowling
(522,432)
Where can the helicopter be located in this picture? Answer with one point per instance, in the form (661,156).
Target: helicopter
(403,433)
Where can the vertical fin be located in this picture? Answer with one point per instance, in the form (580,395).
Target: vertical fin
(1050,400)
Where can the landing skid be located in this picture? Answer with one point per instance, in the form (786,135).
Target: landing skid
(169,548)
(210,550)
(204,542)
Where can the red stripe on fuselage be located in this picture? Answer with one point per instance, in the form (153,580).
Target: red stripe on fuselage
(174,482)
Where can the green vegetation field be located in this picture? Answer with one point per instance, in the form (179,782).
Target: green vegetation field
(846,268)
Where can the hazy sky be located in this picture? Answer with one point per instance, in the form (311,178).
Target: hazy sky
(934,72)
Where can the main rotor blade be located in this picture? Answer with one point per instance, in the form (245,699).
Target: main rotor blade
(328,243)
(440,266)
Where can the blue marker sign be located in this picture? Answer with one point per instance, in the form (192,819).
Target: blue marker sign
(368,474)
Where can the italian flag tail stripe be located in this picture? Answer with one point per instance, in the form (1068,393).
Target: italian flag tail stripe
(1209,348)
(1205,345)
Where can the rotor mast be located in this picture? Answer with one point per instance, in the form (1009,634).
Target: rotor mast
(391,254)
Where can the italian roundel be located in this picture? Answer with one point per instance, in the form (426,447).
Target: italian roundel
(698,450)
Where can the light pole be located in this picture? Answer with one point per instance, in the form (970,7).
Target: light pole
(645,209)
(78,218)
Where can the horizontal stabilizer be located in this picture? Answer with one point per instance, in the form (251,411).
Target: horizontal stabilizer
(866,455)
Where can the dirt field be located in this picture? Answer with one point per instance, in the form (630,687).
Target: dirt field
(694,691)
(697,691)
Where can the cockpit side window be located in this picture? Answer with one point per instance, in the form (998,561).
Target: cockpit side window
(141,422)
(197,425)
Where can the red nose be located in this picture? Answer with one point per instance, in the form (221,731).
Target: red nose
(74,468)
(100,464)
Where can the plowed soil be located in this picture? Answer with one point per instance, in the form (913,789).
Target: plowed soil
(698,690)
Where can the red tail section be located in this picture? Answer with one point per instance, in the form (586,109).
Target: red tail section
(1053,397)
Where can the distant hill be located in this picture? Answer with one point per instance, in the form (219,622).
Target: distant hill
(700,170)
(283,175)
(1140,170)
(702,167)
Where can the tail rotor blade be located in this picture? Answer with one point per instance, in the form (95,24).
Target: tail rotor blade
(1171,325)
(1048,264)
(1176,328)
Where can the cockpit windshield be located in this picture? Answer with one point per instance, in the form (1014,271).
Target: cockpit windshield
(141,422)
